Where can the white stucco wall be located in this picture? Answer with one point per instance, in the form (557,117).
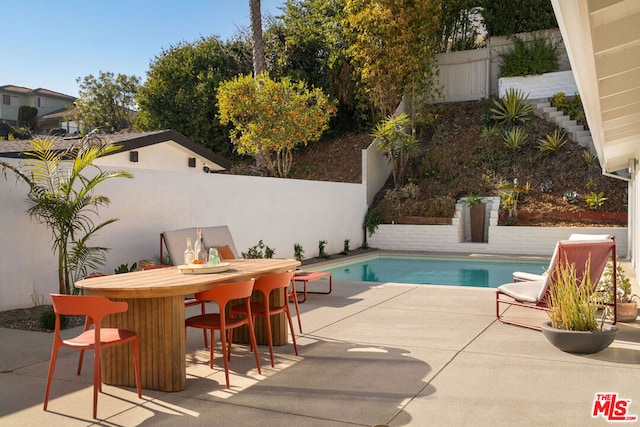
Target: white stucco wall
(168,156)
(281,212)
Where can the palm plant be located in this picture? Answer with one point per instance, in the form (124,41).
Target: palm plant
(513,109)
(397,144)
(61,198)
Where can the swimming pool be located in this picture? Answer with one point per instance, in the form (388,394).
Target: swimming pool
(435,271)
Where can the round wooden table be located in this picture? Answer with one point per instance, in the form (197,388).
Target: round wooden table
(156,312)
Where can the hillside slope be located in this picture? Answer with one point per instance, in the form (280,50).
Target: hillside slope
(455,160)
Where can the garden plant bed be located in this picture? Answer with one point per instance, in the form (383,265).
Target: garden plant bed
(28,319)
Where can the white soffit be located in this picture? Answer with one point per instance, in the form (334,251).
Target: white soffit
(603,43)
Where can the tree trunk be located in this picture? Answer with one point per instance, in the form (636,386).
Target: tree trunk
(256,33)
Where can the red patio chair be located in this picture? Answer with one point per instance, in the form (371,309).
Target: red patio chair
(95,308)
(222,295)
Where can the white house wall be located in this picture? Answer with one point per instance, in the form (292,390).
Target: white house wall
(281,212)
(166,156)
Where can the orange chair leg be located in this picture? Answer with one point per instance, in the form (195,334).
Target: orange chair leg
(52,367)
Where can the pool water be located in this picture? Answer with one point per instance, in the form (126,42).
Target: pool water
(435,271)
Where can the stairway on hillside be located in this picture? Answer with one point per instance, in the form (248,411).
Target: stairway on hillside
(543,108)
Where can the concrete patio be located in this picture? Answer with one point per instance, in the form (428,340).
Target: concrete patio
(370,354)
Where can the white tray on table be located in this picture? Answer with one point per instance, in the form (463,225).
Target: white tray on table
(203,268)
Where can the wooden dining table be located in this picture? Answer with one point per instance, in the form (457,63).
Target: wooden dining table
(157,313)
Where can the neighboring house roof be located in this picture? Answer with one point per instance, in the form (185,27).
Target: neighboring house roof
(603,44)
(129,141)
(57,114)
(39,91)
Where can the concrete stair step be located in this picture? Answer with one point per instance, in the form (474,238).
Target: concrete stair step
(551,115)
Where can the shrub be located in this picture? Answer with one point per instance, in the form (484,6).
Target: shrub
(537,56)
(372,220)
(48,319)
(124,268)
(572,108)
(345,247)
(259,251)
(298,252)
(321,253)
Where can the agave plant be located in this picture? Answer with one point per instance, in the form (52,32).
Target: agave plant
(513,109)
(595,200)
(515,138)
(552,142)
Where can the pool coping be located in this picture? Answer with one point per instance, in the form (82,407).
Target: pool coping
(418,254)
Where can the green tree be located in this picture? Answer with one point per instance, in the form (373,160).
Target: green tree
(106,102)
(180,90)
(460,25)
(28,117)
(393,44)
(61,197)
(307,43)
(270,117)
(508,17)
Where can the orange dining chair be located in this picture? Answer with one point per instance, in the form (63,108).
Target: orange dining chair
(188,301)
(95,308)
(222,295)
(265,285)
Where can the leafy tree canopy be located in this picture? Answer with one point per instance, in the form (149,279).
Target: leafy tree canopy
(270,117)
(508,17)
(180,90)
(307,43)
(393,44)
(106,102)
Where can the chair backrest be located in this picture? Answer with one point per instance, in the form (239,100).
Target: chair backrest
(94,307)
(593,254)
(266,284)
(176,241)
(222,294)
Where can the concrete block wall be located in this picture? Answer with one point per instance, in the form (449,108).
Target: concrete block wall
(502,240)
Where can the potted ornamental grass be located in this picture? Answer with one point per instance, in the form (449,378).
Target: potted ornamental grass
(577,320)
(625,299)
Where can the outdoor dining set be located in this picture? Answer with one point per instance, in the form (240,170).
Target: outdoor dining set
(145,311)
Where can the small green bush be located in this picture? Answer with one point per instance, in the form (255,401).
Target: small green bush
(537,56)
(48,319)
(372,220)
(259,251)
(322,254)
(298,252)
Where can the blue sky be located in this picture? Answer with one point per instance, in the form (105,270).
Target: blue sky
(49,43)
